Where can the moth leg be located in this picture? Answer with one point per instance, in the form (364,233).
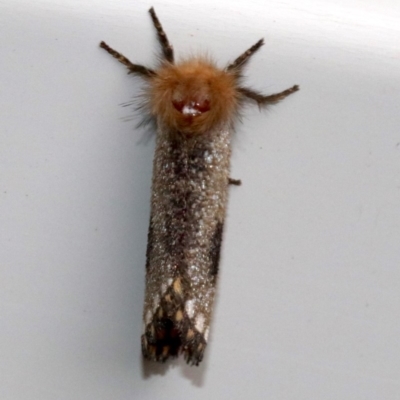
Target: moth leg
(133,68)
(242,60)
(236,182)
(166,47)
(263,100)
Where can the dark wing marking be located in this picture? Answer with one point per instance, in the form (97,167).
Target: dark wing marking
(215,248)
(150,244)
(172,332)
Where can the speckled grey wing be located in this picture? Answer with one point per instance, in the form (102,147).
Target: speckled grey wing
(189,198)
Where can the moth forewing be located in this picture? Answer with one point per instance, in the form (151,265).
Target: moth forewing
(195,105)
(190,184)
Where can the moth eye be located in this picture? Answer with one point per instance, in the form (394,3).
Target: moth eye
(202,106)
(191,107)
(178,104)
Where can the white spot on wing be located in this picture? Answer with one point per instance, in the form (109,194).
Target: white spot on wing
(199,325)
(156,302)
(163,288)
(206,332)
(147,319)
(189,308)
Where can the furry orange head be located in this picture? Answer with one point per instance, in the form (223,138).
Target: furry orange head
(194,96)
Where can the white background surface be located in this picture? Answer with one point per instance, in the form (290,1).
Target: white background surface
(309,289)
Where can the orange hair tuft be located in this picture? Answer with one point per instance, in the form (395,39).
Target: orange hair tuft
(208,93)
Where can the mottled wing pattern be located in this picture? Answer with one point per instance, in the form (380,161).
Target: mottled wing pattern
(190,184)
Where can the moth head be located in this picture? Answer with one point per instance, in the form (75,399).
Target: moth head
(193,97)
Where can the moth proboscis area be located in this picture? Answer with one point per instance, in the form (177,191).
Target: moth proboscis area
(195,105)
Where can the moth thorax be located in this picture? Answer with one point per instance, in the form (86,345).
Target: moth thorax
(193,97)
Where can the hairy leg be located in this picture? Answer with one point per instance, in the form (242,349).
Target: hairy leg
(166,47)
(133,68)
(242,60)
(265,100)
(236,182)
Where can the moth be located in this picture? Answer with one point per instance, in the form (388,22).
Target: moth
(195,106)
